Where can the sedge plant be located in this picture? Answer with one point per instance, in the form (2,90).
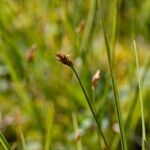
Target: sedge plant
(66,61)
(114,84)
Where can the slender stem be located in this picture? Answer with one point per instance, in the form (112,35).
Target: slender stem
(141,99)
(4,142)
(114,84)
(24,147)
(90,106)
(114,28)
(49,121)
(88,29)
(131,110)
(75,124)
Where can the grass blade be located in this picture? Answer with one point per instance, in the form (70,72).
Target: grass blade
(114,84)
(114,28)
(132,107)
(88,29)
(141,99)
(49,125)
(76,128)
(22,138)
(4,142)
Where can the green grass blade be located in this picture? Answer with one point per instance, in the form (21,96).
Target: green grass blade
(88,29)
(22,138)
(49,125)
(76,128)
(132,107)
(141,99)
(114,84)
(114,28)
(4,142)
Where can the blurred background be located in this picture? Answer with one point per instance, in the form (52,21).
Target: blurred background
(41,103)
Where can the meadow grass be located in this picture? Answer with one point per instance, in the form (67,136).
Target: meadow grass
(38,95)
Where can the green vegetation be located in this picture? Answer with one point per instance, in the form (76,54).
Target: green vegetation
(4,142)
(47,105)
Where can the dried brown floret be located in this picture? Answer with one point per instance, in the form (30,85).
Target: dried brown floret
(64,59)
(29,55)
(80,28)
(95,79)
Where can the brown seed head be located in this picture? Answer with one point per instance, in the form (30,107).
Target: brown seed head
(80,28)
(64,59)
(30,53)
(95,79)
(77,135)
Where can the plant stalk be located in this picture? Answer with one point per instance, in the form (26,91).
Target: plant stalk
(141,99)
(90,106)
(114,85)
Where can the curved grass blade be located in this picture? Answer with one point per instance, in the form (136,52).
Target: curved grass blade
(4,142)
